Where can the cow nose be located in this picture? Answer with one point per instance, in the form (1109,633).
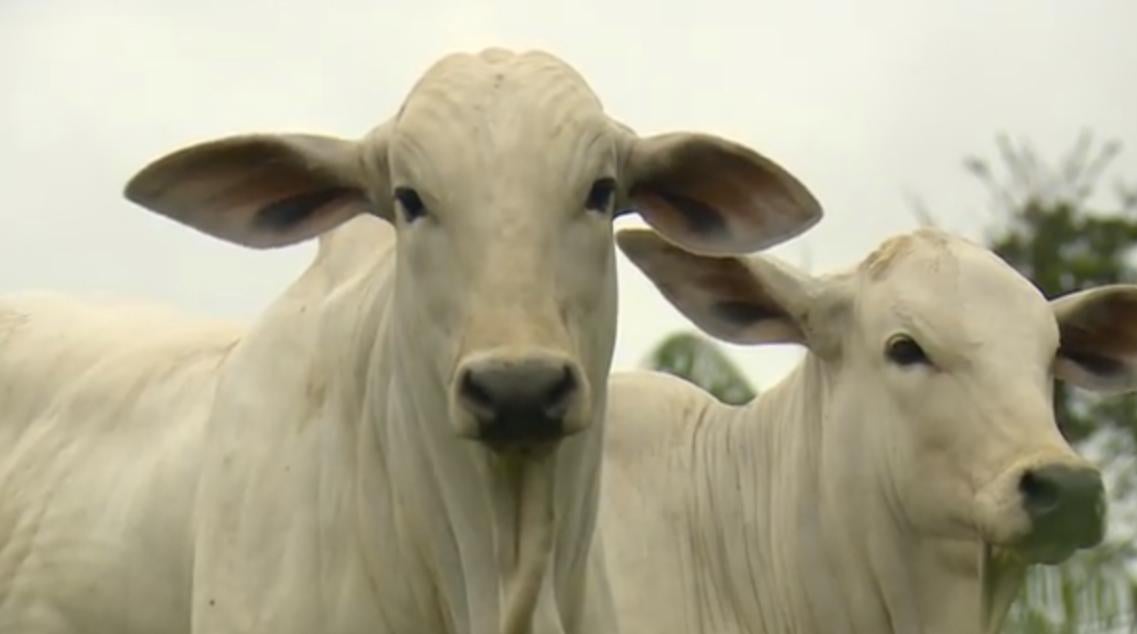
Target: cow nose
(1066,505)
(519,401)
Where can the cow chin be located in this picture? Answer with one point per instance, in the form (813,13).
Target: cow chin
(1031,551)
(514,434)
(519,401)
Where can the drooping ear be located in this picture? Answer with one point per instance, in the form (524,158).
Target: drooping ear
(262,190)
(750,300)
(713,196)
(1098,330)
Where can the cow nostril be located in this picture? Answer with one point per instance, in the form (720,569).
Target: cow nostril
(528,389)
(1040,494)
(476,395)
(557,398)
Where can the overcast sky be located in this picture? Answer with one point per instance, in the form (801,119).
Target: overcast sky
(867,105)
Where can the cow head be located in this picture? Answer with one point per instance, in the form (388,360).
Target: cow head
(501,175)
(936,364)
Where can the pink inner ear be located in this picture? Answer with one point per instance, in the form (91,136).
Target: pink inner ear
(265,208)
(717,198)
(704,229)
(689,226)
(1107,325)
(304,216)
(257,190)
(270,200)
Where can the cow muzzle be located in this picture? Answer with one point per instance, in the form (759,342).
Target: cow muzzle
(1066,506)
(519,401)
(1043,509)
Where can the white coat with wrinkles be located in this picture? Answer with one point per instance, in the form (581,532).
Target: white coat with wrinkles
(334,466)
(897,480)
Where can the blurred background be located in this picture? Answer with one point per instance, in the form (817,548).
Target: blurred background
(1005,122)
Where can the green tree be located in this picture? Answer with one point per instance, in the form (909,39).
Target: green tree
(697,359)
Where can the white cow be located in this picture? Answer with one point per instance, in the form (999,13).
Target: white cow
(407,441)
(898,480)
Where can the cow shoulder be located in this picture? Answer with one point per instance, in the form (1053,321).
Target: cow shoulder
(652,412)
(55,347)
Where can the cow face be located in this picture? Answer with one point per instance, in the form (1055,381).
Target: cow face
(502,175)
(935,362)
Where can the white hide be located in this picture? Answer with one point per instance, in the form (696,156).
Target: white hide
(321,469)
(859,494)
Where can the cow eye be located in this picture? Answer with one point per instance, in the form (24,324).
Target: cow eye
(904,351)
(600,195)
(412,205)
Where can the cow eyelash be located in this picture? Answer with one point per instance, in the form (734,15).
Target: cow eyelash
(904,351)
(409,200)
(600,195)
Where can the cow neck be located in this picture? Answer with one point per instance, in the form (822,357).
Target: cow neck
(501,543)
(789,548)
(756,539)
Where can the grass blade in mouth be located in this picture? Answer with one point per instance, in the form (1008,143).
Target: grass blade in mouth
(1000,578)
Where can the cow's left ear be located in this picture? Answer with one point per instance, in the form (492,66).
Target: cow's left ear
(751,300)
(713,196)
(1098,329)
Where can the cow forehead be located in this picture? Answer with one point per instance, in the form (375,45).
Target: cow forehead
(497,100)
(955,291)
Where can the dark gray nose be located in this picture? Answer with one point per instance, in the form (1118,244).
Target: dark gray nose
(519,401)
(1066,505)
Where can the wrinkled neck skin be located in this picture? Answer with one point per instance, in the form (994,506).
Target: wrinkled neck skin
(826,552)
(456,539)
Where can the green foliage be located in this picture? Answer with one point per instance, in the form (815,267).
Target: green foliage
(701,361)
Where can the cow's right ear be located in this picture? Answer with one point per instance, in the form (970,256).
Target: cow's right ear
(743,300)
(264,190)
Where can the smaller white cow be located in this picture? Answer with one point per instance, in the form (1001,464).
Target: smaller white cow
(898,480)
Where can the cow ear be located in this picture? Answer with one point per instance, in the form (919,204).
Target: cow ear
(751,300)
(261,190)
(713,196)
(1098,331)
